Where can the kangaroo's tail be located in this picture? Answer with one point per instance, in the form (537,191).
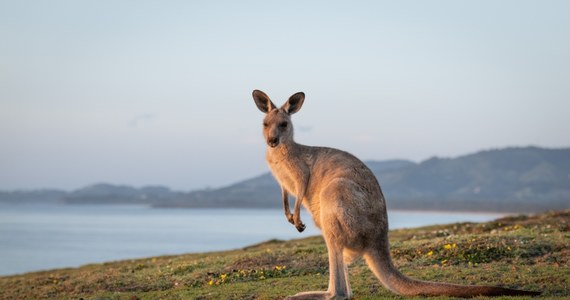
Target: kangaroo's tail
(381,264)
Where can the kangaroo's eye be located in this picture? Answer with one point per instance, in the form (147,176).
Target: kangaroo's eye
(283,125)
(265,124)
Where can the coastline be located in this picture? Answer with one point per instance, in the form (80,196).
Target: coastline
(71,236)
(535,246)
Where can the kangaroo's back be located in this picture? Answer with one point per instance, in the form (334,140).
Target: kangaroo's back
(321,170)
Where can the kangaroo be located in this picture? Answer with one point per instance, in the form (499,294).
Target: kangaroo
(347,204)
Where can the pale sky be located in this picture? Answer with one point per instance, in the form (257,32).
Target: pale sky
(159,92)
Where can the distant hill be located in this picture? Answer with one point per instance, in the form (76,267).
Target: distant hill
(511,179)
(121,194)
(102,193)
(526,179)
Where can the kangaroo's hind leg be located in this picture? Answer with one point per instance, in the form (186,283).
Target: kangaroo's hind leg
(339,287)
(338,282)
(348,257)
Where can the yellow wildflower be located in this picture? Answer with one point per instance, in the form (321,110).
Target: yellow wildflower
(430,253)
(280,268)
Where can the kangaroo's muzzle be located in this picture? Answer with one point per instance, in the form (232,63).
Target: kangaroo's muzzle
(273,142)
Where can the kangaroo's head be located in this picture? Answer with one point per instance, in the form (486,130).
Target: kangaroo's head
(277,127)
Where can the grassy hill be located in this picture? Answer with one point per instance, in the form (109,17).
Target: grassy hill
(527,252)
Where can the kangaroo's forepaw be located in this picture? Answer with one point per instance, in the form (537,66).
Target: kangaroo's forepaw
(300,226)
(298,223)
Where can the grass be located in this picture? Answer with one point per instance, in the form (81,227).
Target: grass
(526,252)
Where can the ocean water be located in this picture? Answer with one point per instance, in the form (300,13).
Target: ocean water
(42,237)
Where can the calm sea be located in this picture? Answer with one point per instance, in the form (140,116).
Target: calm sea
(41,237)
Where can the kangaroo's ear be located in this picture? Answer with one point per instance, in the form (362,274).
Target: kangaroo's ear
(294,103)
(263,102)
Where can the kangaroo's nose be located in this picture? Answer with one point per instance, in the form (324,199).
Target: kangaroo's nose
(273,141)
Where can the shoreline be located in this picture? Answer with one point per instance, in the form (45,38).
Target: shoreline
(273,268)
(399,219)
(159,207)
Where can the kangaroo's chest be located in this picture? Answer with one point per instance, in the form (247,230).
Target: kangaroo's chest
(289,168)
(284,174)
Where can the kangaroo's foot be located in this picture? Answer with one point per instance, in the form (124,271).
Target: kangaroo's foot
(316,296)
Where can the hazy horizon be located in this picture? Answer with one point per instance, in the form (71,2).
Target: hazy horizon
(159,93)
(250,177)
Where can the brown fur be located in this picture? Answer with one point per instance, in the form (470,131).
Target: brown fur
(346,203)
